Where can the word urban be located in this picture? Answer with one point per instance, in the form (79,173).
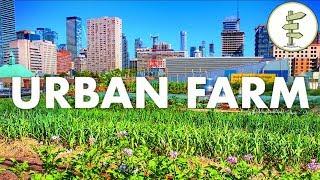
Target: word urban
(57,87)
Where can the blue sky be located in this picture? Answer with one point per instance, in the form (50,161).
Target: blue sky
(201,19)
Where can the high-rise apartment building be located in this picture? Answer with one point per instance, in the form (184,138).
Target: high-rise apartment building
(183,41)
(125,53)
(27,54)
(232,38)
(64,61)
(7,28)
(48,53)
(104,36)
(263,44)
(301,61)
(47,34)
(74,35)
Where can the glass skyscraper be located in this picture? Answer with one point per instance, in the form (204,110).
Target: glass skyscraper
(29,35)
(125,53)
(192,51)
(263,44)
(231,24)
(74,35)
(7,28)
(211,49)
(1,43)
(48,35)
(137,45)
(202,49)
(183,41)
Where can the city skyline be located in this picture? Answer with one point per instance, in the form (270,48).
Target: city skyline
(201,20)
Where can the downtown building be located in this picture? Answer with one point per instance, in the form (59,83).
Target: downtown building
(7,29)
(46,34)
(193,49)
(38,56)
(151,61)
(183,41)
(138,44)
(263,44)
(64,62)
(179,69)
(232,38)
(202,49)
(29,35)
(74,35)
(211,49)
(80,62)
(307,60)
(48,52)
(125,53)
(27,54)
(104,36)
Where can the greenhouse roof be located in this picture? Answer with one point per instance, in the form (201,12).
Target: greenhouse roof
(14,70)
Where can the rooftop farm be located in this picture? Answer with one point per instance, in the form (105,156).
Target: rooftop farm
(152,143)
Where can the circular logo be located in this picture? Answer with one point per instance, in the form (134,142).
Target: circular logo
(292,26)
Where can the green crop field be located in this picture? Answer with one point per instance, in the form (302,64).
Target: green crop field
(152,143)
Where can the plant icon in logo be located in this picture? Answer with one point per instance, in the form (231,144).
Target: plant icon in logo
(291,26)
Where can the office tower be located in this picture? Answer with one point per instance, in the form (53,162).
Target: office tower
(7,28)
(48,53)
(211,49)
(74,35)
(183,41)
(1,44)
(27,54)
(137,45)
(104,36)
(192,50)
(231,24)
(263,44)
(64,61)
(29,35)
(202,48)
(47,34)
(232,38)
(125,53)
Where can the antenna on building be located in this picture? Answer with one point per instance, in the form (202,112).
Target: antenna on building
(238,16)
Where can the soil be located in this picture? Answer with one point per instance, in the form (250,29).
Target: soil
(8,175)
